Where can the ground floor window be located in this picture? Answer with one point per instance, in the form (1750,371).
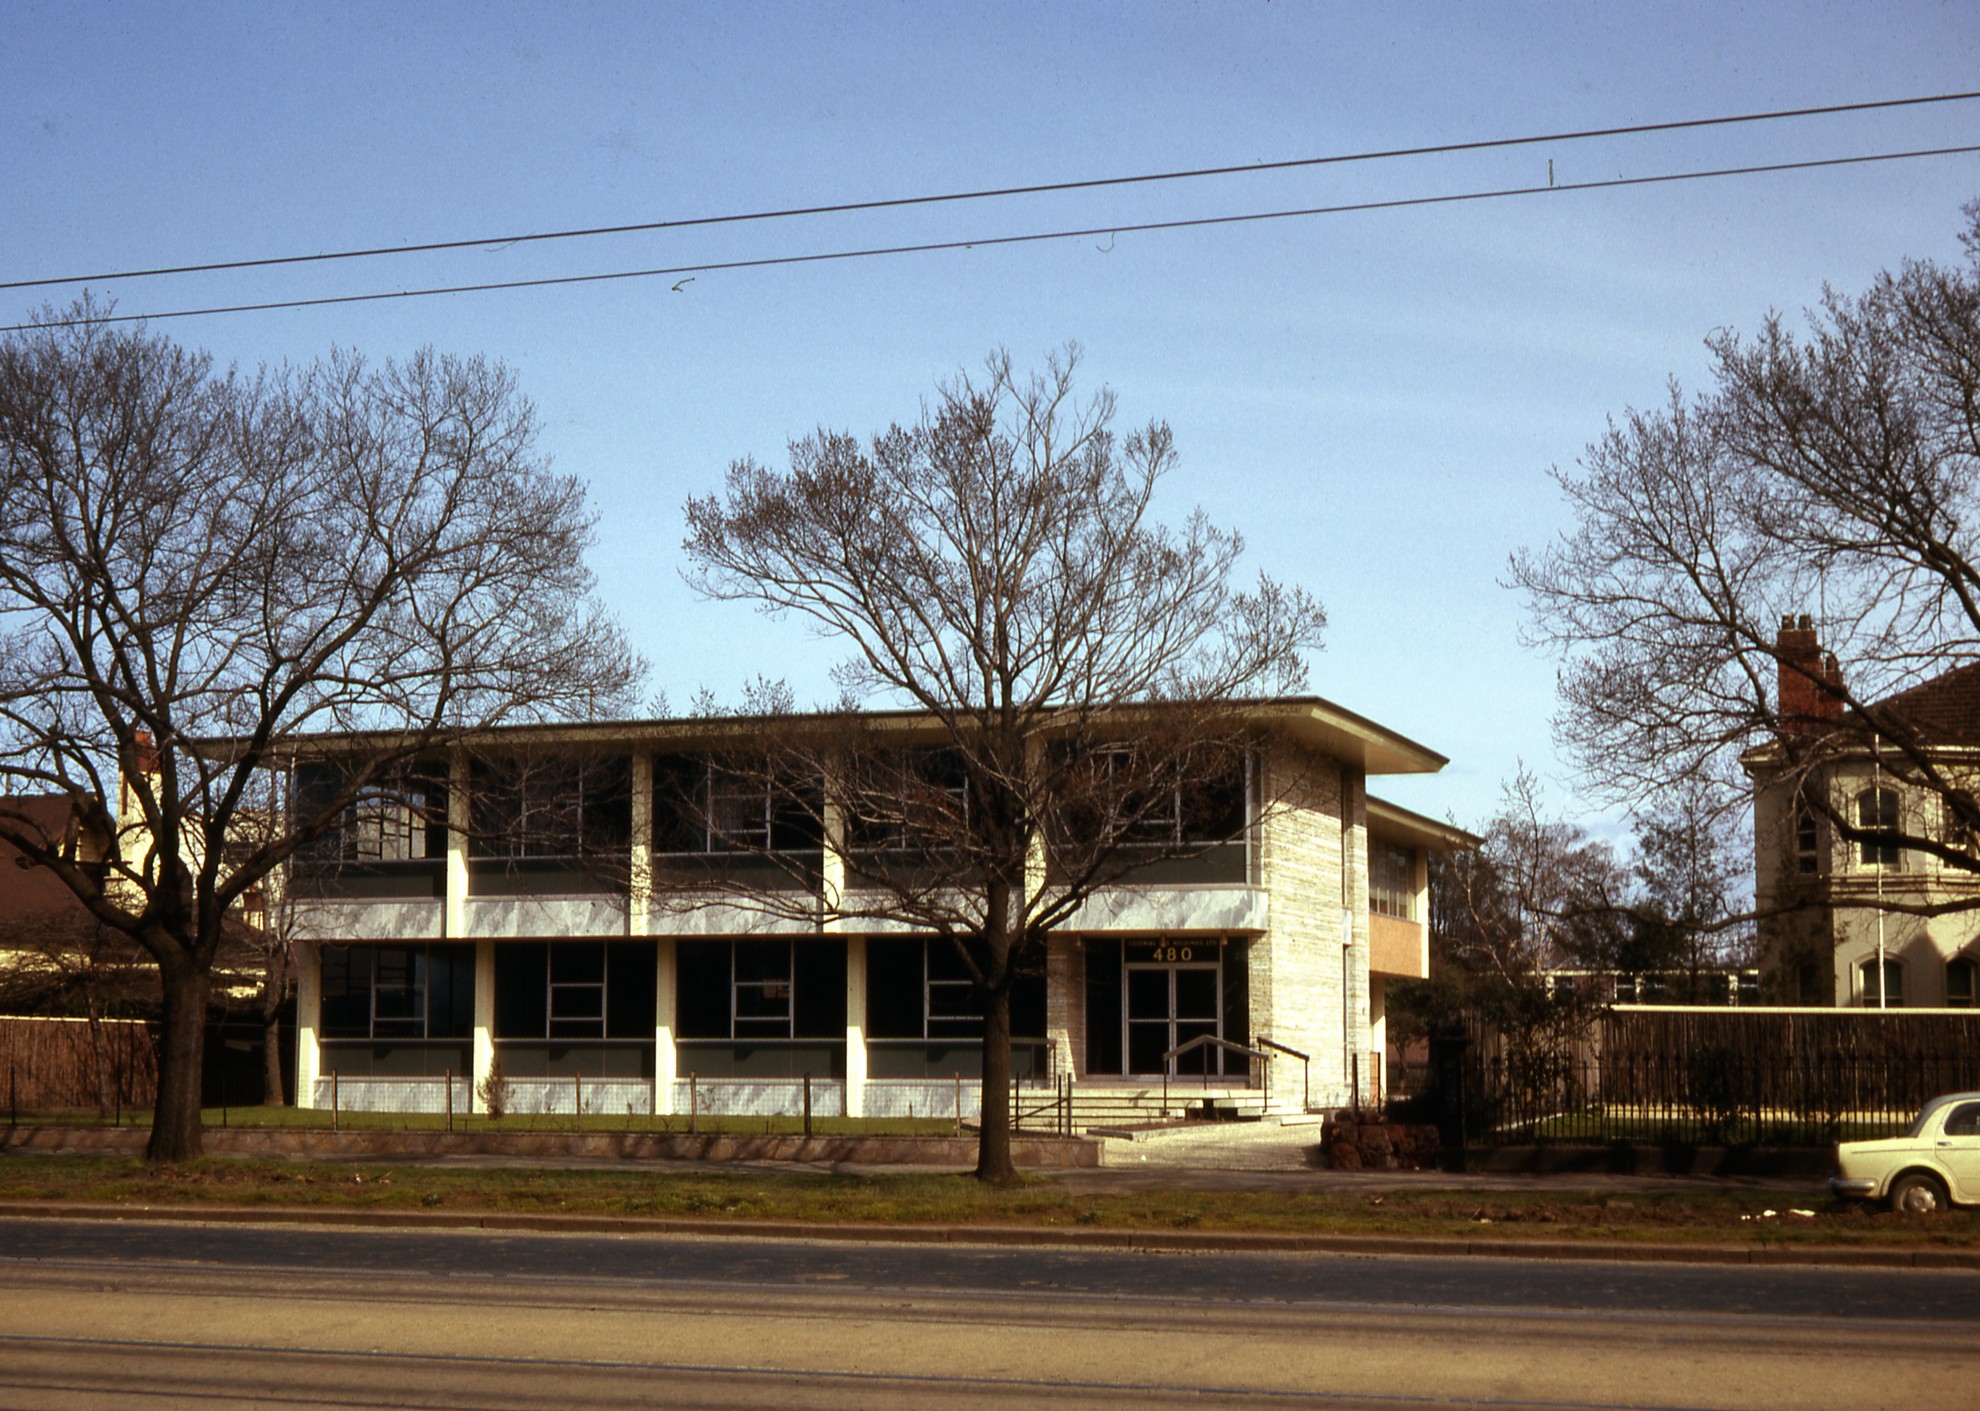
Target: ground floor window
(924,1013)
(574,990)
(397,992)
(1892,996)
(565,1007)
(1960,982)
(398,1011)
(1147,998)
(761,1008)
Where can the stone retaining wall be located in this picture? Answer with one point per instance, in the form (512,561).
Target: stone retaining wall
(631,1146)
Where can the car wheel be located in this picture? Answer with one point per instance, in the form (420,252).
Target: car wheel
(1919,1194)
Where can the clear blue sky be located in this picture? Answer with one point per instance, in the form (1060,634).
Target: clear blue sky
(1373,399)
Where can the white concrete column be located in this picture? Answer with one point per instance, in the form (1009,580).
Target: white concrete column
(454,924)
(639,922)
(309,1017)
(855,1026)
(666,1059)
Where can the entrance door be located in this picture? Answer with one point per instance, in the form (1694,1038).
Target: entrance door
(1167,1006)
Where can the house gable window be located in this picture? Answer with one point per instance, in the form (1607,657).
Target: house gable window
(1878,809)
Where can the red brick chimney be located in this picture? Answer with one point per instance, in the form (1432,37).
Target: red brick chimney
(1810,681)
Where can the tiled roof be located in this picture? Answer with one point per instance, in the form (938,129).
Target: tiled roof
(27,890)
(1944,710)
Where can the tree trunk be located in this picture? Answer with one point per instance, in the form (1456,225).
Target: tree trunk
(993,1148)
(271,1043)
(175,1123)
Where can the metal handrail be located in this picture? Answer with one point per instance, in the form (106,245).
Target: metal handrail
(1305,1069)
(1204,1040)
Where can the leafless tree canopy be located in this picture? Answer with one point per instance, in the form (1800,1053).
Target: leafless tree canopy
(997,570)
(1529,930)
(1833,472)
(198,565)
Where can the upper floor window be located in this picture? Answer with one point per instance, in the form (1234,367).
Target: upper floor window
(1392,880)
(1960,982)
(399,816)
(1877,809)
(910,801)
(552,807)
(1118,796)
(1807,843)
(700,806)
(1891,995)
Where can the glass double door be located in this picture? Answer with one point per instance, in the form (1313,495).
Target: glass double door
(1167,1005)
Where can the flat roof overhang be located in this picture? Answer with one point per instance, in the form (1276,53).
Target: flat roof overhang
(1308,720)
(1401,825)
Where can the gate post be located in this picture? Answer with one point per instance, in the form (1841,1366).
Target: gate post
(1447,1049)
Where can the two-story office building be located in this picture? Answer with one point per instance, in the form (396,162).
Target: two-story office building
(624,951)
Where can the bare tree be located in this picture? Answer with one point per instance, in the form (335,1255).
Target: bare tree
(1071,666)
(1828,479)
(198,565)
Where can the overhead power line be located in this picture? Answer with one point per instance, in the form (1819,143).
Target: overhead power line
(994,193)
(985,242)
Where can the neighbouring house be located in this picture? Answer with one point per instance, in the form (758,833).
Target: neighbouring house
(50,946)
(1829,934)
(440,941)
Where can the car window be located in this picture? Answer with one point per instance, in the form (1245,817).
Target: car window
(1964,1121)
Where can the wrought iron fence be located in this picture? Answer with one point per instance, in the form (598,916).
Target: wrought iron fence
(1720,1077)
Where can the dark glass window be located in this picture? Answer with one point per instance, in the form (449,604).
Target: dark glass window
(923,990)
(703,807)
(760,989)
(1893,990)
(1103,1007)
(552,807)
(574,990)
(1116,793)
(910,801)
(403,992)
(400,816)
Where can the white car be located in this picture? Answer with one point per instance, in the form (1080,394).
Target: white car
(1933,1166)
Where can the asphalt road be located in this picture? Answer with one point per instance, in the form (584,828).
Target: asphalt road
(229,1316)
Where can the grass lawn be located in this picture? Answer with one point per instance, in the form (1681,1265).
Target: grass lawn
(1710,1216)
(319,1119)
